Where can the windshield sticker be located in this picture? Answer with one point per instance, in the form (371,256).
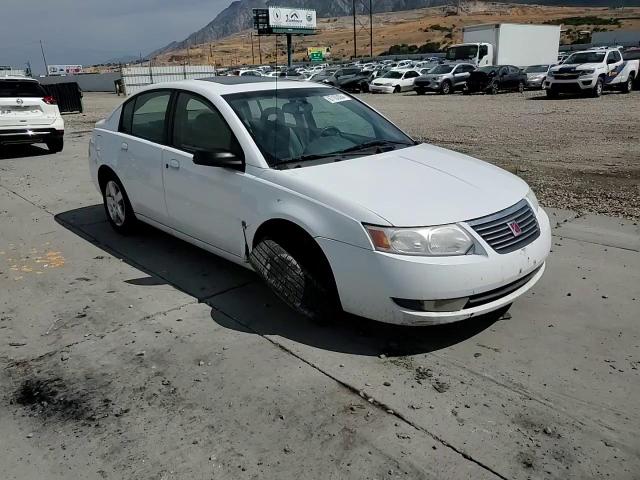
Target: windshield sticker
(338,97)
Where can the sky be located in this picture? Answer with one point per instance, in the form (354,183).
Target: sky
(84,32)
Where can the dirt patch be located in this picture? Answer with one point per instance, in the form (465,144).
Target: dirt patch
(52,398)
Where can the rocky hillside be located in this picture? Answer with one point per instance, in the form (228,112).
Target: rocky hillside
(238,16)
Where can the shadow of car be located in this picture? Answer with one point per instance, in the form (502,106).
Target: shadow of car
(240,301)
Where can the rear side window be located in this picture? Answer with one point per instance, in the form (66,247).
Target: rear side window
(148,119)
(514,69)
(20,88)
(127,116)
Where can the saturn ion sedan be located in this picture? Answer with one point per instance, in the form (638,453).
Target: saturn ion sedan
(324,198)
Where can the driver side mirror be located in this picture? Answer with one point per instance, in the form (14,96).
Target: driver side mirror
(218,158)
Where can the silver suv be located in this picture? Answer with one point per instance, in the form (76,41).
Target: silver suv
(445,78)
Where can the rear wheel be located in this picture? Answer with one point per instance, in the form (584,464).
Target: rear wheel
(117,206)
(297,271)
(521,87)
(628,85)
(445,88)
(56,145)
(494,88)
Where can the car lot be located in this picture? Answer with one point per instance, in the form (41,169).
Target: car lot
(144,357)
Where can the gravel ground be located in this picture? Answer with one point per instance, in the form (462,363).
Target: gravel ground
(577,153)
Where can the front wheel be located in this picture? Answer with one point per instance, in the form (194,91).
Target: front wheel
(420,91)
(445,88)
(521,87)
(56,145)
(396,89)
(117,206)
(297,272)
(551,93)
(597,90)
(494,88)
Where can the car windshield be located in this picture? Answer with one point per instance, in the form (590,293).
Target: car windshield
(294,125)
(462,52)
(536,69)
(392,74)
(20,88)
(586,57)
(442,69)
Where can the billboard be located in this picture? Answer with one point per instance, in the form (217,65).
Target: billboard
(64,69)
(294,18)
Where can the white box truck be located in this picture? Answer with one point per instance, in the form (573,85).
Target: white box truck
(515,44)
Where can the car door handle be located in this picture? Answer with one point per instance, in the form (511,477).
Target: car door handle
(173,163)
(124,146)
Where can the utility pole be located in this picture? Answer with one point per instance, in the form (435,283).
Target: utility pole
(259,48)
(371,29)
(46,66)
(355,40)
(253,56)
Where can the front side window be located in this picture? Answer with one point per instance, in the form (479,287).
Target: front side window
(411,74)
(300,124)
(394,74)
(442,69)
(198,126)
(148,115)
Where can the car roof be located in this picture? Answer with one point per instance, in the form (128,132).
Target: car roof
(16,77)
(222,85)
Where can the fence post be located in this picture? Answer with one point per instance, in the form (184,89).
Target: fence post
(150,72)
(184,71)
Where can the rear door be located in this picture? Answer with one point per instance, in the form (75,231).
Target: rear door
(408,80)
(138,147)
(22,104)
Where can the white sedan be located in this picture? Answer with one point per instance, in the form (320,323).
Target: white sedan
(330,203)
(394,81)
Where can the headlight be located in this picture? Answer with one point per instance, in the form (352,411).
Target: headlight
(550,74)
(443,240)
(533,200)
(587,72)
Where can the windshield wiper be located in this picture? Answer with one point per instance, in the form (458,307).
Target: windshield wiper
(347,151)
(373,143)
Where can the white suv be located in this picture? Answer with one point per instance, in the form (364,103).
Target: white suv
(28,115)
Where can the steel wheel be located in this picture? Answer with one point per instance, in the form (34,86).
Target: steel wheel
(446,88)
(115,203)
(521,87)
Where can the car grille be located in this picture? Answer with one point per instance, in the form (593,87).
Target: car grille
(566,76)
(497,293)
(494,229)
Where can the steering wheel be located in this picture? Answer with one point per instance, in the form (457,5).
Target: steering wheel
(330,132)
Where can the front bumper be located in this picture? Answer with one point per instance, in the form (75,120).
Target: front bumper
(367,280)
(574,85)
(434,86)
(381,88)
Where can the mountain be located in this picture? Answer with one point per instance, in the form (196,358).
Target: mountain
(239,16)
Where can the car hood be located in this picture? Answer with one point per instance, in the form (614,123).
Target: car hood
(572,67)
(415,186)
(386,81)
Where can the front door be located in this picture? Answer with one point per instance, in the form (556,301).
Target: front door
(203,202)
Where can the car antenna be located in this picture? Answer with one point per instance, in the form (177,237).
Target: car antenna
(275,131)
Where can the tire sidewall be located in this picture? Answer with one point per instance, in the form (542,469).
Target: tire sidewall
(129,217)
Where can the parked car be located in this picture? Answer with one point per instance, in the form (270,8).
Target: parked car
(322,75)
(330,203)
(28,115)
(394,81)
(592,71)
(493,79)
(536,75)
(345,73)
(445,78)
(358,82)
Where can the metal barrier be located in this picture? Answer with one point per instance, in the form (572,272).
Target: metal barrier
(68,95)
